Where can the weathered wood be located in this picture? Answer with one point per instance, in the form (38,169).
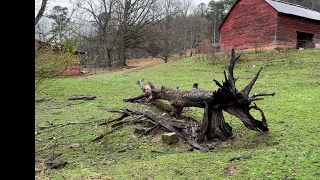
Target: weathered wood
(146,132)
(179,132)
(42,100)
(163,106)
(237,103)
(82,98)
(156,121)
(57,165)
(250,122)
(205,123)
(98,138)
(231,80)
(132,99)
(177,98)
(214,125)
(248,88)
(227,98)
(218,128)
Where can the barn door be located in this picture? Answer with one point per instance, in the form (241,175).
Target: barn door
(305,40)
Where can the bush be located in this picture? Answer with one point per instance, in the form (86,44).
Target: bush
(49,63)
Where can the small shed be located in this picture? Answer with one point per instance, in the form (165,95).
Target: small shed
(269,24)
(205,47)
(73,68)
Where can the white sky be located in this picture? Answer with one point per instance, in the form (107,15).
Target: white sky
(196,2)
(65,3)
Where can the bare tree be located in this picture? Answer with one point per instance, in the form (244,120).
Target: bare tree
(185,7)
(198,28)
(42,30)
(167,33)
(179,30)
(41,11)
(101,12)
(135,18)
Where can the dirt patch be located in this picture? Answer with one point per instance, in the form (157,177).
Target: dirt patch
(151,61)
(144,62)
(131,64)
(230,170)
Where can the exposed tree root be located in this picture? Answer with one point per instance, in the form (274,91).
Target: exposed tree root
(213,125)
(227,98)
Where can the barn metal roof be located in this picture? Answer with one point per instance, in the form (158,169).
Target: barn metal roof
(293,9)
(286,8)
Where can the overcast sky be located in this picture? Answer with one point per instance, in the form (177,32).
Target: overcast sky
(65,3)
(200,1)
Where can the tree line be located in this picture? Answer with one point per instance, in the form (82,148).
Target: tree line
(113,31)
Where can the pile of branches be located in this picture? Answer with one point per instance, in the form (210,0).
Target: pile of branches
(213,125)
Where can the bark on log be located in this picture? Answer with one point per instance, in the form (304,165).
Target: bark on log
(213,125)
(227,98)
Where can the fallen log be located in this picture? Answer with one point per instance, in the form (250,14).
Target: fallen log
(227,98)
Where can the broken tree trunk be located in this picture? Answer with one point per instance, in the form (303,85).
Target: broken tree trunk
(213,125)
(227,98)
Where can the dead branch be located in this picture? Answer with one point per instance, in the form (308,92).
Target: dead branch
(146,132)
(261,112)
(248,88)
(42,100)
(227,98)
(149,118)
(98,138)
(83,98)
(56,165)
(70,104)
(263,94)
(134,99)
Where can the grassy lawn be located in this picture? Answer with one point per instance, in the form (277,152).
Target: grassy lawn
(290,150)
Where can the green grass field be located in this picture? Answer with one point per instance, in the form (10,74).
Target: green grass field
(290,150)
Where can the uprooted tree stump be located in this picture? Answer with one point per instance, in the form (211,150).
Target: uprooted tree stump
(227,98)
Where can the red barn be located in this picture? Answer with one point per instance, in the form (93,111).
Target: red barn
(268,24)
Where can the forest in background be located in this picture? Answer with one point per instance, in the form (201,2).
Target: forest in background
(113,31)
